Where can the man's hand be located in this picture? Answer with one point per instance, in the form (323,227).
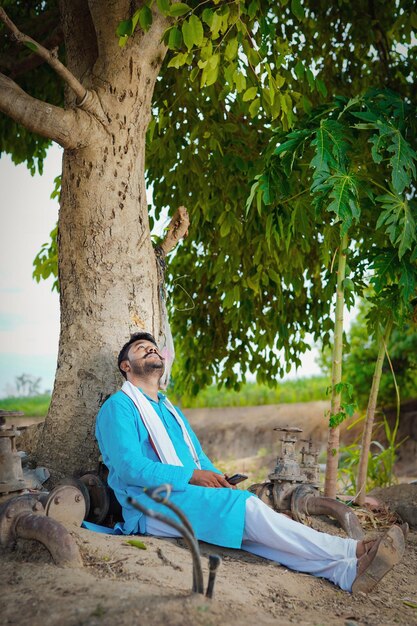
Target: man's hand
(206,478)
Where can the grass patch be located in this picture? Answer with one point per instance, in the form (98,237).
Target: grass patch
(33,406)
(253,394)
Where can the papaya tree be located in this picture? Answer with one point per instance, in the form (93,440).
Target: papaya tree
(201,86)
(337,161)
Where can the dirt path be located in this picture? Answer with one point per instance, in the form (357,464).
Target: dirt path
(120,585)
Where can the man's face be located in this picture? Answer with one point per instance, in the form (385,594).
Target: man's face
(143,358)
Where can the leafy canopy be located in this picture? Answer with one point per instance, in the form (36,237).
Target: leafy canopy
(254,276)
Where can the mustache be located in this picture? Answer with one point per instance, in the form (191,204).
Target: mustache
(154,352)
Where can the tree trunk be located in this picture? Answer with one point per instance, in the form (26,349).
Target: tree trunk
(107,266)
(330,485)
(370,415)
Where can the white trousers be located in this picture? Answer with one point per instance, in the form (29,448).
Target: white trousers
(276,537)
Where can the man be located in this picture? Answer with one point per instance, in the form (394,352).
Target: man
(145,442)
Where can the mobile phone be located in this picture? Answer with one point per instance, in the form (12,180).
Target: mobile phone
(236,478)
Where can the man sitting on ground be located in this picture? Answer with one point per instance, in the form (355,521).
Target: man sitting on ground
(145,442)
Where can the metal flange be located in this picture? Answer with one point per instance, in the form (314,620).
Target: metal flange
(65,504)
(99,498)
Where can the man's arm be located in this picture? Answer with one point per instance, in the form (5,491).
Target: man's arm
(123,450)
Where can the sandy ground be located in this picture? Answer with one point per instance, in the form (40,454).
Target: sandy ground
(120,585)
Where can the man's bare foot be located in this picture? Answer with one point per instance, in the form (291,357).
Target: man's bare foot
(379,557)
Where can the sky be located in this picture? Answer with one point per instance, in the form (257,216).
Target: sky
(29,311)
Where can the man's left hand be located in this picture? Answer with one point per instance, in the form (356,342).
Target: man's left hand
(206,478)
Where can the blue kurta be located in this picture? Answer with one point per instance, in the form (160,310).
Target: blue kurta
(217,515)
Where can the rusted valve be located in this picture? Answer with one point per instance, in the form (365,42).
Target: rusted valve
(38,515)
(24,516)
(295,486)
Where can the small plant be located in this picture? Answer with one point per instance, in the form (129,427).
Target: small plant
(380,461)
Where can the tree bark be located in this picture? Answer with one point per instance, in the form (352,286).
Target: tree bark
(107,266)
(330,484)
(370,416)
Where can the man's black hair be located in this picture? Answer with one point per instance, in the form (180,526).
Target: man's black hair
(135,337)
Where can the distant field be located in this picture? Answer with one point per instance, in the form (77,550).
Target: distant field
(251,394)
(36,406)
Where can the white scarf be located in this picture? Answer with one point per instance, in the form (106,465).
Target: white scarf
(157,431)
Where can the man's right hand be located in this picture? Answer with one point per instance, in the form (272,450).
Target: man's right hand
(206,478)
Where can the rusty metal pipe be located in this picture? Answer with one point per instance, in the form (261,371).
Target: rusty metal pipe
(320,505)
(53,535)
(214,563)
(305,501)
(198,583)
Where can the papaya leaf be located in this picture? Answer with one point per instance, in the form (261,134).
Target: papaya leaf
(399,222)
(344,197)
(385,266)
(407,282)
(402,162)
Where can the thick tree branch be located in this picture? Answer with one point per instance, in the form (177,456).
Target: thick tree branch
(68,128)
(47,55)
(85,100)
(177,229)
(14,67)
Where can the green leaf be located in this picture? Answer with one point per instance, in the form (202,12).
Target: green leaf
(336,419)
(344,195)
(410,603)
(174,38)
(231,50)
(321,87)
(145,18)
(399,222)
(239,80)
(408,280)
(250,94)
(194,73)
(176,10)
(297,9)
(225,229)
(178,60)
(299,70)
(163,6)
(348,284)
(32,46)
(192,31)
(136,543)
(390,139)
(254,107)
(124,28)
(402,162)
(210,71)
(207,16)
